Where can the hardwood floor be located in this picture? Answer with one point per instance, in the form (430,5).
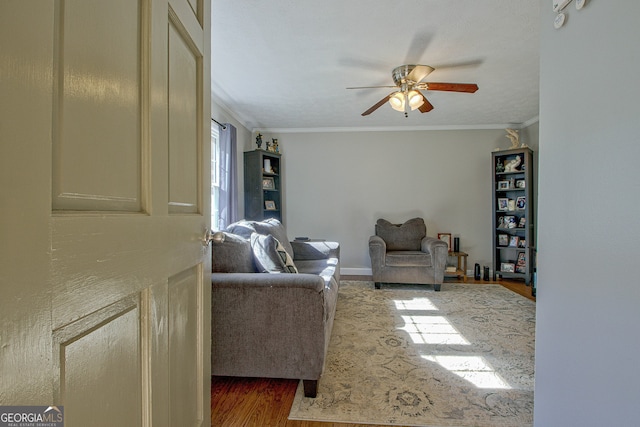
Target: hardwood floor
(264,402)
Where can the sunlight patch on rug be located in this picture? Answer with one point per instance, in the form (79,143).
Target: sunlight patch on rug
(408,356)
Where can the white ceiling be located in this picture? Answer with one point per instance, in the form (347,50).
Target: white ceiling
(286,64)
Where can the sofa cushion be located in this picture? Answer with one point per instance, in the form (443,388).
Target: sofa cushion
(403,237)
(270,255)
(231,254)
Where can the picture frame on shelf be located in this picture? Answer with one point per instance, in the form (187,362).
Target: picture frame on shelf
(513,241)
(509,221)
(503,239)
(521,263)
(522,222)
(503,204)
(521,183)
(522,243)
(508,267)
(268,183)
(446,237)
(270,205)
(503,185)
(521,202)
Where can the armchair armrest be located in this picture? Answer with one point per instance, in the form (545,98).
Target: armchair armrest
(438,250)
(315,250)
(377,252)
(261,280)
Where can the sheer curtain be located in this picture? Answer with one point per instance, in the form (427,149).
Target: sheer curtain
(227,197)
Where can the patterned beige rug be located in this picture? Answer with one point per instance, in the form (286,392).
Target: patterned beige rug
(406,355)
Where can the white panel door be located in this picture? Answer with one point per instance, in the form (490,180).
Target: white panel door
(104,161)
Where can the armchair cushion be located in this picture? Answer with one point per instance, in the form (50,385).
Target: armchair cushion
(403,237)
(270,255)
(408,259)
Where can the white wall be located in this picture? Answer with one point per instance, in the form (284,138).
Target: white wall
(337,184)
(588,305)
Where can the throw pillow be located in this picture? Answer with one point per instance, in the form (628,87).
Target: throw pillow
(276,229)
(270,256)
(231,254)
(241,228)
(403,237)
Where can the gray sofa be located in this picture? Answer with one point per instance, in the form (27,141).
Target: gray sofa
(272,315)
(403,253)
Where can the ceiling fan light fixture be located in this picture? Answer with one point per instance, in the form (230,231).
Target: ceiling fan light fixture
(397,101)
(415,99)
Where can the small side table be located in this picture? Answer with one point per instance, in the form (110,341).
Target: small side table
(461,268)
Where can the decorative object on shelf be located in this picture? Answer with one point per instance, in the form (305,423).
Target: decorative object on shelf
(513,136)
(512,165)
(270,205)
(445,237)
(522,222)
(522,243)
(456,244)
(268,183)
(274,146)
(259,140)
(512,205)
(267,166)
(499,166)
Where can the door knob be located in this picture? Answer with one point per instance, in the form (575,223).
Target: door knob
(207,238)
(210,236)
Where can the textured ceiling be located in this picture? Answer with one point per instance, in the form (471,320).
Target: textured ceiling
(286,64)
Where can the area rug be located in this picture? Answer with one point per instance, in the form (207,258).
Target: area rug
(410,356)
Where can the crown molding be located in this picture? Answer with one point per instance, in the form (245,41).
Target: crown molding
(498,126)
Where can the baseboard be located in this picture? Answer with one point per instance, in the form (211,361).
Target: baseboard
(350,271)
(355,271)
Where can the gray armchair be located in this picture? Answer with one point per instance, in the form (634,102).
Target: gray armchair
(405,254)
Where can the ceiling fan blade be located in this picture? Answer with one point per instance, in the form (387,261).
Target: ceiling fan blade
(419,72)
(368,87)
(453,87)
(377,105)
(426,107)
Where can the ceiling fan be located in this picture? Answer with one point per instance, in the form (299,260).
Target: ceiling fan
(408,81)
